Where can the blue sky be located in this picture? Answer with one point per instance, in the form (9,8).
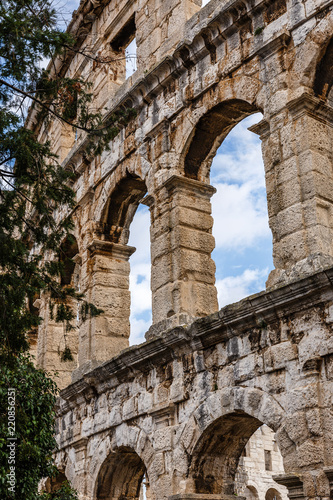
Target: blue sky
(243,253)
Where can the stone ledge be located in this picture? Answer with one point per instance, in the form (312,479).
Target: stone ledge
(255,311)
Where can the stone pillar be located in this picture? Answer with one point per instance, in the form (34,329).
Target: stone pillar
(107,287)
(297,149)
(183,273)
(159,28)
(52,341)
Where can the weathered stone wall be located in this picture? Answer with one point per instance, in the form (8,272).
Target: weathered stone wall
(196,79)
(182,406)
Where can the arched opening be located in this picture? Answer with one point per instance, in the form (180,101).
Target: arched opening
(69,277)
(261,461)
(230,457)
(272,494)
(52,485)
(251,493)
(121,208)
(216,456)
(243,251)
(225,153)
(324,75)
(122,476)
(209,134)
(68,250)
(126,221)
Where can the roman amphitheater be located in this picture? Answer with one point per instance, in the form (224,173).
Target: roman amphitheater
(173,417)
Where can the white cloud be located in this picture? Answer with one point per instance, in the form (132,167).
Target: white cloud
(240,216)
(138,329)
(239,159)
(233,288)
(140,237)
(239,206)
(140,288)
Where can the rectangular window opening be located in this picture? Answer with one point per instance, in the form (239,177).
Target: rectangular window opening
(125,44)
(268,459)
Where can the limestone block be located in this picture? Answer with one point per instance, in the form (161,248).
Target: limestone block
(316,184)
(311,133)
(253,400)
(247,368)
(314,422)
(163,438)
(115,416)
(192,238)
(272,152)
(160,395)
(157,467)
(177,391)
(107,326)
(278,356)
(108,278)
(286,195)
(202,416)
(190,434)
(313,344)
(310,453)
(104,263)
(105,348)
(302,398)
(130,408)
(290,249)
(296,427)
(289,221)
(225,377)
(182,264)
(145,402)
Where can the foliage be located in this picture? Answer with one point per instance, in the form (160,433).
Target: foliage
(34,424)
(34,189)
(64,493)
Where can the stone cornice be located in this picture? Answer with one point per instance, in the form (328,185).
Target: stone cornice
(308,104)
(256,311)
(115,250)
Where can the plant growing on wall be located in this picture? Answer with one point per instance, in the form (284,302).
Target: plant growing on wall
(34,186)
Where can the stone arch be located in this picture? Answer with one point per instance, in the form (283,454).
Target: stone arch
(209,133)
(67,251)
(126,451)
(120,208)
(251,492)
(120,476)
(223,424)
(273,494)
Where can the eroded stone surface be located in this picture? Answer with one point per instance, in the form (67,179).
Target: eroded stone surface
(182,406)
(187,402)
